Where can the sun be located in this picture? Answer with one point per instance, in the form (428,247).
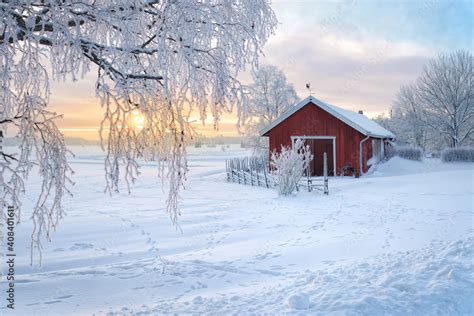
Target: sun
(137,120)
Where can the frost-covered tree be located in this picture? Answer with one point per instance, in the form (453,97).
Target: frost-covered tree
(437,111)
(289,165)
(158,60)
(270,95)
(408,117)
(446,93)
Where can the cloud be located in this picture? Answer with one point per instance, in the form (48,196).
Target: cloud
(357,53)
(350,70)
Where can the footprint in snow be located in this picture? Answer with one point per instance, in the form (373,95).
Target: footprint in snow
(198,300)
(81,246)
(31,304)
(25,281)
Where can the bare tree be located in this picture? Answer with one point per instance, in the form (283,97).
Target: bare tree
(438,109)
(408,118)
(446,93)
(158,60)
(269,96)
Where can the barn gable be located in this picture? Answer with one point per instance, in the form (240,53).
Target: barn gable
(359,122)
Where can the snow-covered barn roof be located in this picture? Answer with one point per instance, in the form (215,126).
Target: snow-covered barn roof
(357,121)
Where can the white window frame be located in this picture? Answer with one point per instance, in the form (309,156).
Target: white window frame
(293,138)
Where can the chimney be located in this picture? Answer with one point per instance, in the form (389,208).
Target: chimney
(361,112)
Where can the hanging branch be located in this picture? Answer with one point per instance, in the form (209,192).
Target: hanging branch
(164,59)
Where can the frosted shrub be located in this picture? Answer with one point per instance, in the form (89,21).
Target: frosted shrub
(411,153)
(458,154)
(289,165)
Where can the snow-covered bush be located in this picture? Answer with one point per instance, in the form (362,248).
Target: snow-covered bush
(407,152)
(412,153)
(458,154)
(289,165)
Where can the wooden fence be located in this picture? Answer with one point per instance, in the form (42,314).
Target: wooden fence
(254,171)
(249,170)
(319,183)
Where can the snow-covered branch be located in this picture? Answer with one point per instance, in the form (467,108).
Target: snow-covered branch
(161,60)
(439,107)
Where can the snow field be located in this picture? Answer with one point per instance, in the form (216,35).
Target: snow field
(399,241)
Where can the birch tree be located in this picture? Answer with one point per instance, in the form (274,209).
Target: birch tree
(158,59)
(437,111)
(270,95)
(409,117)
(446,93)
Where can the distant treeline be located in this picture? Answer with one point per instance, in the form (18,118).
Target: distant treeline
(197,141)
(72,141)
(202,140)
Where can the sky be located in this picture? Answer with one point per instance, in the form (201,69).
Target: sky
(355,54)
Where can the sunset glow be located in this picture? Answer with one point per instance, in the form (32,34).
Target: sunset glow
(137,120)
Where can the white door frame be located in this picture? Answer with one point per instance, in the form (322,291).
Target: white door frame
(293,138)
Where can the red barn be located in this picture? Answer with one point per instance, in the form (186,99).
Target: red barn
(351,140)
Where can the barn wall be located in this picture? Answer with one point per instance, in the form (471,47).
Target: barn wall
(314,121)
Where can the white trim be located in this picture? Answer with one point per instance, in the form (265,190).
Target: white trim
(382,149)
(361,165)
(326,108)
(322,137)
(313,137)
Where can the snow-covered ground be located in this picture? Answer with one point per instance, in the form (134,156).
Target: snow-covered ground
(398,241)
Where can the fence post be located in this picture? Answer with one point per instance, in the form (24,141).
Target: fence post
(250,171)
(237,165)
(243,175)
(247,171)
(308,180)
(265,166)
(258,180)
(231,165)
(227,170)
(232,170)
(326,191)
